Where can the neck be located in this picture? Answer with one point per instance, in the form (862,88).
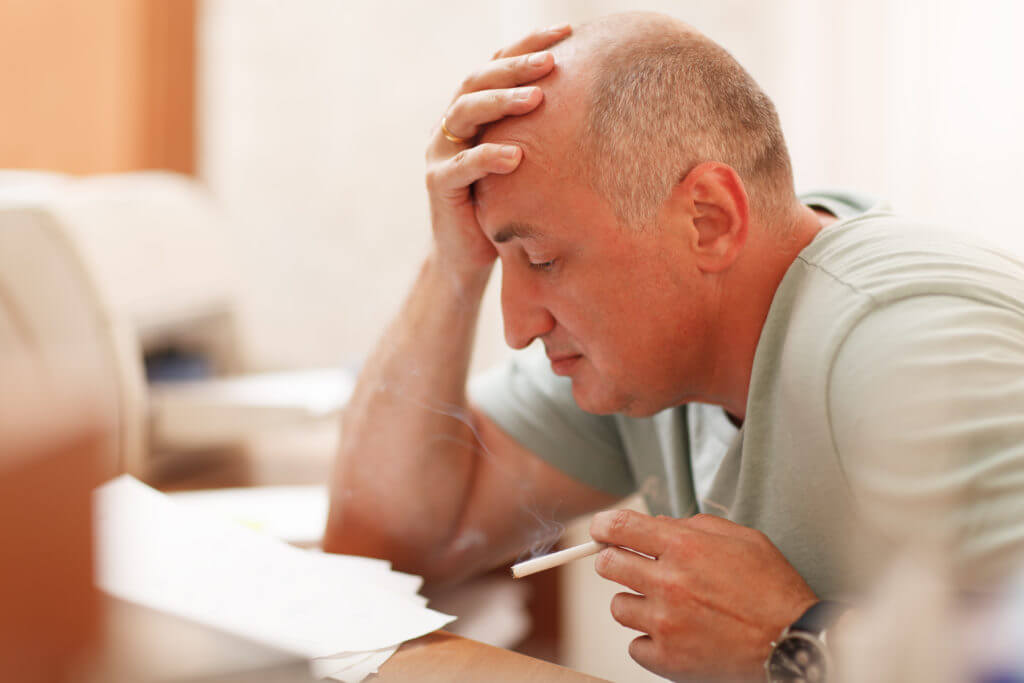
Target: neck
(745,300)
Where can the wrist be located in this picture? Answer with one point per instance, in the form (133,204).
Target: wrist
(467,281)
(804,650)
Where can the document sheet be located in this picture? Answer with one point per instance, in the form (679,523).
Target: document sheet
(347,614)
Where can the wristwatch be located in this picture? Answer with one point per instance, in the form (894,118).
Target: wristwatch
(801,653)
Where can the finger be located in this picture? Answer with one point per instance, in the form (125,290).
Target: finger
(469,165)
(630,610)
(472,110)
(510,72)
(537,40)
(633,530)
(644,651)
(626,568)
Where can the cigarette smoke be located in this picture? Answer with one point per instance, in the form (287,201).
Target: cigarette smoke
(541,538)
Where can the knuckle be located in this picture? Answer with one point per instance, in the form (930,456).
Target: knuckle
(460,159)
(432,180)
(675,591)
(620,520)
(525,69)
(676,544)
(662,584)
(512,66)
(661,623)
(701,521)
(456,109)
(605,561)
(493,99)
(469,82)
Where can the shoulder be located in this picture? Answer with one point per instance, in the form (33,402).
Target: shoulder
(926,404)
(921,364)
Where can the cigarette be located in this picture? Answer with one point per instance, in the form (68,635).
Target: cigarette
(539,564)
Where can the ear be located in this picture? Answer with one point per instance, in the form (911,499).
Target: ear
(712,205)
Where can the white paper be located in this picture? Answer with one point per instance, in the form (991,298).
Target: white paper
(350,668)
(167,557)
(296,514)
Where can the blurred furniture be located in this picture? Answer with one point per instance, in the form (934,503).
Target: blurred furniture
(132,270)
(98,87)
(50,445)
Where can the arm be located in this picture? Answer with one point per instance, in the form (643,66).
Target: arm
(421,477)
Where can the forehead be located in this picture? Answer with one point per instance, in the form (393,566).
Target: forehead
(540,200)
(546,180)
(549,190)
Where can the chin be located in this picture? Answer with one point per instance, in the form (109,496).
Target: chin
(591,401)
(600,402)
(610,402)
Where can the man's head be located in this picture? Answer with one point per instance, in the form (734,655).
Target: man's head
(664,98)
(650,157)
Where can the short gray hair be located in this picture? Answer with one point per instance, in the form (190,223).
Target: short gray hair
(664,100)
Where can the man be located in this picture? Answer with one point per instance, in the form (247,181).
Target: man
(638,193)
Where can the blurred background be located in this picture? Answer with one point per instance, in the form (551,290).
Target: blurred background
(299,217)
(308,120)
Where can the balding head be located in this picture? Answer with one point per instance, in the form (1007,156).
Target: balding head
(649,99)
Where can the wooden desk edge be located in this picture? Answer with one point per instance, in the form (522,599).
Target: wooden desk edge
(442,657)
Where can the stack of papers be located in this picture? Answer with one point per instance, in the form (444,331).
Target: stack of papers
(295,514)
(346,614)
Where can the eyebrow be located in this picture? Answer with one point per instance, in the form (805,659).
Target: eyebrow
(515,230)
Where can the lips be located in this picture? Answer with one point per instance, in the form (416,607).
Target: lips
(563,364)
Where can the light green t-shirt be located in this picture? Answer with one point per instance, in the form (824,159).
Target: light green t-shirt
(886,406)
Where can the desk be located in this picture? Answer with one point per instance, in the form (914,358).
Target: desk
(442,657)
(146,645)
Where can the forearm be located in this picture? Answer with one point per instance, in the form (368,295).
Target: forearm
(407,446)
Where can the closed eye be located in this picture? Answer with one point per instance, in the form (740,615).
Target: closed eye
(544,265)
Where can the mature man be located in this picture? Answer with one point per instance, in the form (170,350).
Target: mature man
(826,380)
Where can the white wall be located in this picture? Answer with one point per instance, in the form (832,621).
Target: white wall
(315,114)
(314,119)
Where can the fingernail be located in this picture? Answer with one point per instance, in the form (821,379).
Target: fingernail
(537,58)
(509,151)
(558,28)
(524,93)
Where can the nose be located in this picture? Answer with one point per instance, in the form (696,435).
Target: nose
(522,307)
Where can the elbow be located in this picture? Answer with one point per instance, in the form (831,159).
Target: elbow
(351,532)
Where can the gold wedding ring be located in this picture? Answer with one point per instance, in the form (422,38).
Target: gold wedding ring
(448,134)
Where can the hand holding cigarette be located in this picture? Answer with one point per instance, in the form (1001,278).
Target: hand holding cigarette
(539,564)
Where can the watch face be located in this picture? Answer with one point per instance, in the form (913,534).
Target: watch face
(798,658)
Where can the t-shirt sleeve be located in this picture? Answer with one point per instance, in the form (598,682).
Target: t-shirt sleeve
(536,408)
(927,404)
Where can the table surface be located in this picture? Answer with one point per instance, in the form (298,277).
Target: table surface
(146,645)
(442,657)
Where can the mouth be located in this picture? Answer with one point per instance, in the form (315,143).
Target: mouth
(563,365)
